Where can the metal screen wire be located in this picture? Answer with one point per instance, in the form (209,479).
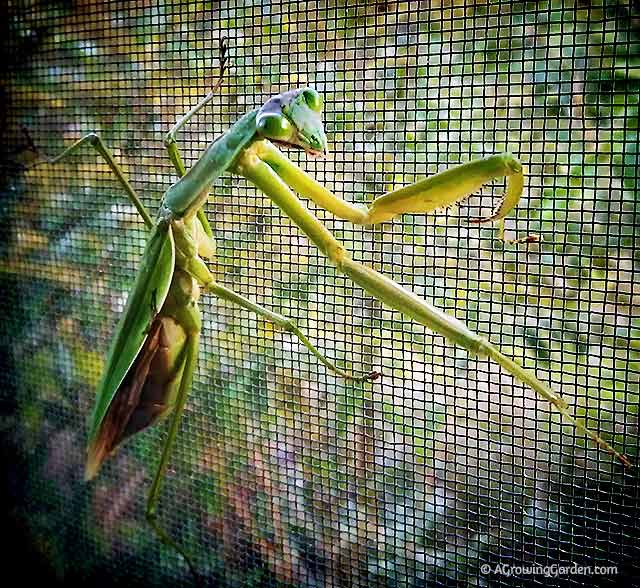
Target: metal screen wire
(284,474)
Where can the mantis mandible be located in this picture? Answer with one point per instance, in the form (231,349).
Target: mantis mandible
(153,354)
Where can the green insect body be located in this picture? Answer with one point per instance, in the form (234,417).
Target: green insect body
(146,363)
(153,356)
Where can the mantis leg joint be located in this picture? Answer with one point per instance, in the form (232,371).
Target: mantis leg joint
(170,139)
(338,255)
(93,139)
(289,325)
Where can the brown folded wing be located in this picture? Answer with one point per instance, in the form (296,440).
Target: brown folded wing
(144,396)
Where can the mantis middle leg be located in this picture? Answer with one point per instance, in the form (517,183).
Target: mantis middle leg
(98,144)
(199,270)
(288,325)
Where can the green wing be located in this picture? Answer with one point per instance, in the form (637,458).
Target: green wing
(145,300)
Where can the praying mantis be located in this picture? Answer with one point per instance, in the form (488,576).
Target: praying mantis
(153,355)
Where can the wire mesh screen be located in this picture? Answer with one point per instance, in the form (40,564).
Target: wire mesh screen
(444,472)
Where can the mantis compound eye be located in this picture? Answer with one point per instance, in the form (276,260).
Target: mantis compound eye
(313,99)
(274,126)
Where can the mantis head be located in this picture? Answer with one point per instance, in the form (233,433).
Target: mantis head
(293,119)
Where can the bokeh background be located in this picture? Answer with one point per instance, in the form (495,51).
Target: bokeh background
(283,474)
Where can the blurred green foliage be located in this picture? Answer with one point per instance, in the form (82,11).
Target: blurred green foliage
(285,475)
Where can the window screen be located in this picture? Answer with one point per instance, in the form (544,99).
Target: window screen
(445,471)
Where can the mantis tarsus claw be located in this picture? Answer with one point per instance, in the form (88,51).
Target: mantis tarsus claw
(222,55)
(528,239)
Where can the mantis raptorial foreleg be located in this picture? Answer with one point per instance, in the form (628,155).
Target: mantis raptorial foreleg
(271,180)
(439,191)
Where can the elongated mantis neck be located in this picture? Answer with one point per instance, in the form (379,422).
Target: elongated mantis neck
(190,192)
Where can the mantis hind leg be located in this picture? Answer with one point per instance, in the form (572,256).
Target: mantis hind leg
(392,294)
(98,144)
(190,356)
